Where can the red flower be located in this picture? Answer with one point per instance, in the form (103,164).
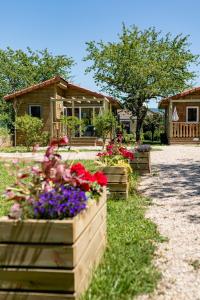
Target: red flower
(100,178)
(63,141)
(59,142)
(78,169)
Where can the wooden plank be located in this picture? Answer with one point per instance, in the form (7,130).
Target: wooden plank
(141,160)
(31,279)
(48,231)
(7,295)
(39,255)
(137,166)
(116,187)
(20,295)
(117,178)
(114,170)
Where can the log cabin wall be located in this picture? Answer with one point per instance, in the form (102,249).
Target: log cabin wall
(39,97)
(181,108)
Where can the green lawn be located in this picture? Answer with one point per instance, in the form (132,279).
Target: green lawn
(126,269)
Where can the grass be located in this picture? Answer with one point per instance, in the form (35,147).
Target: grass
(127,268)
(22,149)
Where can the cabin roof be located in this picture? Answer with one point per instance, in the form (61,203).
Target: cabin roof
(57,80)
(165,101)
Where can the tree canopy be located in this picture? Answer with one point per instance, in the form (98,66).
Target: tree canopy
(19,69)
(140,66)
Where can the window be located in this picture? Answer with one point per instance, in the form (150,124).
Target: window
(192,114)
(35,111)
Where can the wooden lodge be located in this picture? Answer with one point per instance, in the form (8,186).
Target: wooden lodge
(52,99)
(182,117)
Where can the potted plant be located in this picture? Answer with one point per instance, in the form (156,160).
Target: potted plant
(115,164)
(55,232)
(142,159)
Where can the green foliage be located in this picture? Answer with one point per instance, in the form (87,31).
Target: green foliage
(30,128)
(19,69)
(128,138)
(72,124)
(105,125)
(4,135)
(152,123)
(140,66)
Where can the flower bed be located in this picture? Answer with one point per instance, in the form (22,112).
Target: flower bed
(142,159)
(115,164)
(118,183)
(51,255)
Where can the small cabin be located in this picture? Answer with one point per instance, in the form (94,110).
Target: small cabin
(182,117)
(54,98)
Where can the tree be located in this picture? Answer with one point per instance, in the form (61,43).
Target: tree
(19,69)
(105,124)
(152,122)
(140,66)
(72,124)
(29,128)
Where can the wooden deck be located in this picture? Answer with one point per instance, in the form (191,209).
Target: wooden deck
(185,133)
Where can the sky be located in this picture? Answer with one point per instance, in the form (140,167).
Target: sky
(63,26)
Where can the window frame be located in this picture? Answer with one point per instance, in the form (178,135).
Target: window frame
(197,108)
(35,105)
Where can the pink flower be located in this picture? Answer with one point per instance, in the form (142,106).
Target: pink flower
(63,141)
(15,211)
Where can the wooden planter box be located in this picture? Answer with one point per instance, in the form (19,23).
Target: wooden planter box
(141,163)
(44,260)
(117,182)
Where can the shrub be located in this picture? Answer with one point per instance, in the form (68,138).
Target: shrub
(4,135)
(30,128)
(147,136)
(72,124)
(105,124)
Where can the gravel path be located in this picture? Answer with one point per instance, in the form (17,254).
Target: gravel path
(175,189)
(39,156)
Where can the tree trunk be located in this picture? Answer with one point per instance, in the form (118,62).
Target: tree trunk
(152,135)
(138,129)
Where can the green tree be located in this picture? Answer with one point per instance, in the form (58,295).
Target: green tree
(105,124)
(19,69)
(140,66)
(152,122)
(29,128)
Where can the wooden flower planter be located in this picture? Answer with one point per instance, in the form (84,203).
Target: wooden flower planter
(142,162)
(117,182)
(44,260)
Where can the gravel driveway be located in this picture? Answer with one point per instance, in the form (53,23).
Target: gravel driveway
(175,189)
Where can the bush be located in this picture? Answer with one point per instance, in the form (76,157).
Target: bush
(128,138)
(147,136)
(31,130)
(105,124)
(4,135)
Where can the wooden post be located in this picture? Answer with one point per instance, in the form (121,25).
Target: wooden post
(51,118)
(170,120)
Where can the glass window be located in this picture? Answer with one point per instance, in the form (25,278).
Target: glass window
(192,114)
(35,111)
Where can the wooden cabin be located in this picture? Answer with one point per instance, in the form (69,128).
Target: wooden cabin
(182,117)
(52,99)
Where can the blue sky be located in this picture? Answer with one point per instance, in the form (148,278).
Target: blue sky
(63,26)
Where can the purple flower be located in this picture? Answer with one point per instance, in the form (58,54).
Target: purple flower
(61,202)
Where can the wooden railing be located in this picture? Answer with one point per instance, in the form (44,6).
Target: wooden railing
(185,130)
(58,130)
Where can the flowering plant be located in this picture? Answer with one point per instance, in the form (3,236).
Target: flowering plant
(114,154)
(53,189)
